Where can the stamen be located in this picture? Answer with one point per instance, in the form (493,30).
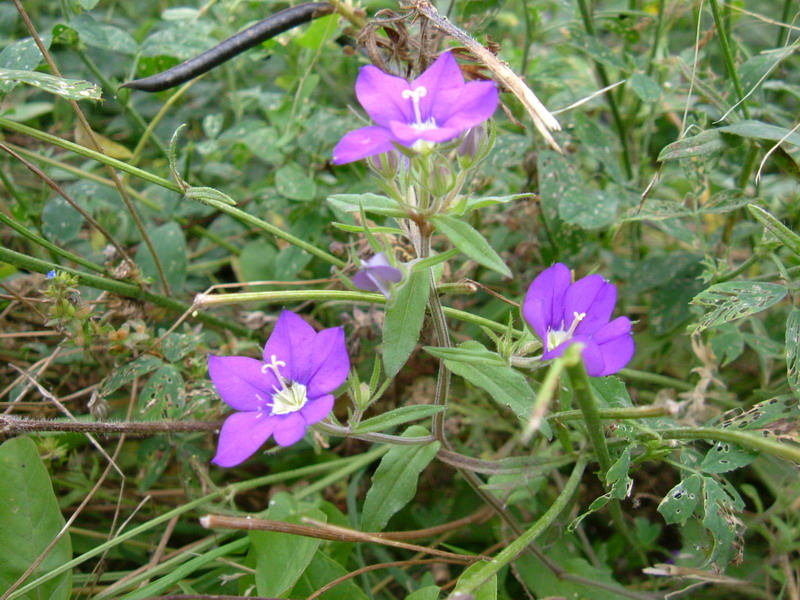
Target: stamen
(415,95)
(556,337)
(289,396)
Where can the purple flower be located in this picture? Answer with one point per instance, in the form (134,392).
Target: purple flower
(283,395)
(562,313)
(376,274)
(436,107)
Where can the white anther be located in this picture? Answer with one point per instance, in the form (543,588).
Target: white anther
(415,95)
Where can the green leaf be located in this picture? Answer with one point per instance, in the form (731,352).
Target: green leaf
(793,350)
(281,558)
(395,481)
(291,260)
(588,208)
(505,385)
(467,204)
(734,300)
(209,196)
(786,236)
(724,457)
(396,417)
(702,144)
(61,223)
(758,130)
(101,35)
(72,89)
(645,87)
(177,345)
(617,476)
(719,508)
(170,245)
(257,262)
(29,521)
(379,205)
(163,393)
(292,182)
(469,352)
(321,571)
(430,592)
(136,368)
(23,55)
(470,242)
(405,313)
(763,414)
(656,210)
(679,504)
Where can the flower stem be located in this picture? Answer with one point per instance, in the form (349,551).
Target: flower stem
(467,585)
(582,389)
(17,425)
(727,54)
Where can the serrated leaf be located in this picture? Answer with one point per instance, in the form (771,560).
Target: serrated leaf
(679,504)
(470,242)
(396,417)
(29,521)
(702,144)
(127,373)
(163,393)
(72,89)
(733,300)
(170,245)
(405,314)
(505,385)
(724,457)
(379,205)
(758,130)
(395,481)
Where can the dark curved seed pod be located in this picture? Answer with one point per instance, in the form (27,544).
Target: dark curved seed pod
(252,36)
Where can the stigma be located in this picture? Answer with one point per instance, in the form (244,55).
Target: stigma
(289,396)
(415,95)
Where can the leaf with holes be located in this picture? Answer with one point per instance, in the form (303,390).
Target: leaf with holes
(162,394)
(763,414)
(702,144)
(71,89)
(724,457)
(679,504)
(23,55)
(127,373)
(734,300)
(720,505)
(617,476)
(29,521)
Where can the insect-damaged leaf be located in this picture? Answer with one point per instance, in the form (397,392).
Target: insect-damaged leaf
(734,300)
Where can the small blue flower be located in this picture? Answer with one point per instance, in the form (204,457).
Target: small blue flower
(51,274)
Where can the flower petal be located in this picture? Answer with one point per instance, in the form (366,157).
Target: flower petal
(475,104)
(361,143)
(443,76)
(289,429)
(364,282)
(407,134)
(593,358)
(592,296)
(240,381)
(317,409)
(543,302)
(242,434)
(381,95)
(616,345)
(290,342)
(329,362)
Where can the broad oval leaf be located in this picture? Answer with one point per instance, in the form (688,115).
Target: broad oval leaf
(170,245)
(395,481)
(702,144)
(680,502)
(29,521)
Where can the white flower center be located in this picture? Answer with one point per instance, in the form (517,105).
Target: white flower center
(415,95)
(291,396)
(557,337)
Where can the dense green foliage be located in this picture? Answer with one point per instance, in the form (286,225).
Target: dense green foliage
(680,184)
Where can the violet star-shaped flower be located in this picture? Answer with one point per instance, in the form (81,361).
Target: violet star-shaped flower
(283,395)
(436,107)
(562,313)
(376,274)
